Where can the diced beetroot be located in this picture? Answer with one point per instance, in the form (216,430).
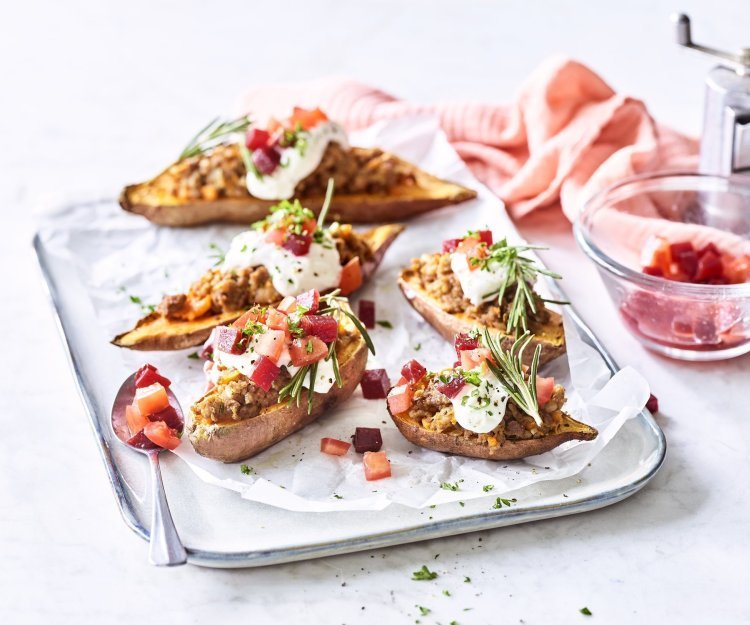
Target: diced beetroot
(298,244)
(709,247)
(266,160)
(709,266)
(141,441)
(413,371)
(265,373)
(375,384)
(324,327)
(653,271)
(169,416)
(464,341)
(257,138)
(367,313)
(652,405)
(310,300)
(450,245)
(451,388)
(485,236)
(686,259)
(148,375)
(227,339)
(367,439)
(680,247)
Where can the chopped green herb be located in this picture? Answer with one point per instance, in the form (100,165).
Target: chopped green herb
(423,574)
(488,487)
(467,579)
(461,503)
(384,323)
(135,299)
(453,623)
(586,611)
(449,486)
(337,496)
(309,346)
(217,254)
(194,356)
(447,593)
(500,502)
(246,470)
(417,347)
(423,611)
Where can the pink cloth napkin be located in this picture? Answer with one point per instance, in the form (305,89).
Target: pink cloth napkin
(566,135)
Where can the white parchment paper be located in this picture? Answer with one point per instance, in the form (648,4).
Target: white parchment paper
(124,262)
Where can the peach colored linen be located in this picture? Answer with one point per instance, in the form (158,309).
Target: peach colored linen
(566,135)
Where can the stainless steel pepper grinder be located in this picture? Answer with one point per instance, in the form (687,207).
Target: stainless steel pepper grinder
(725,144)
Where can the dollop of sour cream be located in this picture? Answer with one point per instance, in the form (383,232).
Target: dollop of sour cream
(481,408)
(297,164)
(291,275)
(481,284)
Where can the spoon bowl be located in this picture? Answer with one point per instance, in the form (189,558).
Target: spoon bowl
(165,547)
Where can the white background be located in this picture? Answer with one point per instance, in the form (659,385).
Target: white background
(95,95)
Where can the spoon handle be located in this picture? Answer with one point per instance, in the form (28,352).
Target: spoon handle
(165,548)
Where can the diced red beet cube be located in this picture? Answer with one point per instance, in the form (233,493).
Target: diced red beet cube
(367,313)
(485,236)
(367,439)
(298,244)
(652,405)
(170,417)
(257,138)
(141,441)
(653,271)
(324,327)
(451,388)
(709,266)
(413,371)
(148,375)
(465,341)
(266,160)
(450,245)
(687,260)
(709,247)
(227,339)
(680,247)
(375,384)
(265,373)
(310,300)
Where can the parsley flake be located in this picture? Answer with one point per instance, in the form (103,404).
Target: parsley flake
(423,574)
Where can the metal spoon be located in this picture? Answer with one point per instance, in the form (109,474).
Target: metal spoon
(165,548)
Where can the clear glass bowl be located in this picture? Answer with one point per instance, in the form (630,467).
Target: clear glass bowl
(679,319)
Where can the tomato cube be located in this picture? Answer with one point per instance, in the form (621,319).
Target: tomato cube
(465,341)
(685,257)
(270,344)
(275,236)
(367,313)
(266,160)
(367,439)
(709,266)
(400,399)
(376,465)
(162,435)
(473,358)
(656,253)
(265,373)
(307,119)
(334,446)
(324,327)
(485,236)
(254,314)
(653,271)
(413,371)
(375,384)
(228,339)
(310,300)
(307,350)
(736,269)
(135,420)
(148,375)
(277,320)
(709,247)
(451,388)
(257,138)
(351,276)
(298,244)
(544,388)
(450,245)
(151,399)
(288,305)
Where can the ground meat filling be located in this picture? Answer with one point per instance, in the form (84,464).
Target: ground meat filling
(220,173)
(434,411)
(219,291)
(438,279)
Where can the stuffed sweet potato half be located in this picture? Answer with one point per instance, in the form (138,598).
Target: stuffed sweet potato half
(475,283)
(275,370)
(233,171)
(282,255)
(489,406)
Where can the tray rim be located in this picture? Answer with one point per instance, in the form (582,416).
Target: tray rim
(425,531)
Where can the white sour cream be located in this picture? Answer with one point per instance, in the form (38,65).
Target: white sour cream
(296,166)
(481,408)
(291,275)
(480,285)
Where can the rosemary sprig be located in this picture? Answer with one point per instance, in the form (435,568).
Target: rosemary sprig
(335,308)
(508,369)
(211,134)
(311,390)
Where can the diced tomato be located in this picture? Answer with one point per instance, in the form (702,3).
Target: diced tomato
(451,388)
(148,375)
(151,399)
(257,138)
(375,384)
(736,268)
(309,300)
(413,371)
(275,236)
(307,119)
(367,313)
(709,266)
(308,350)
(276,320)
(135,420)
(465,341)
(251,315)
(709,247)
(367,439)
(376,465)
(159,433)
(324,327)
(351,276)
(401,381)
(485,236)
(472,358)
(169,416)
(298,244)
(334,446)
(685,257)
(270,344)
(544,388)
(653,271)
(450,245)
(227,339)
(273,126)
(310,226)
(265,373)
(288,305)
(400,399)
(472,248)
(656,253)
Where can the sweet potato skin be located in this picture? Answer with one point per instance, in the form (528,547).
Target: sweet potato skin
(239,440)
(448,325)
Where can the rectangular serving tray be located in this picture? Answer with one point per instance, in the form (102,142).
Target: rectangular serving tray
(220,529)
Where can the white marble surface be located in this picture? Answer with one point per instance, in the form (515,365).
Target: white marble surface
(88,85)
